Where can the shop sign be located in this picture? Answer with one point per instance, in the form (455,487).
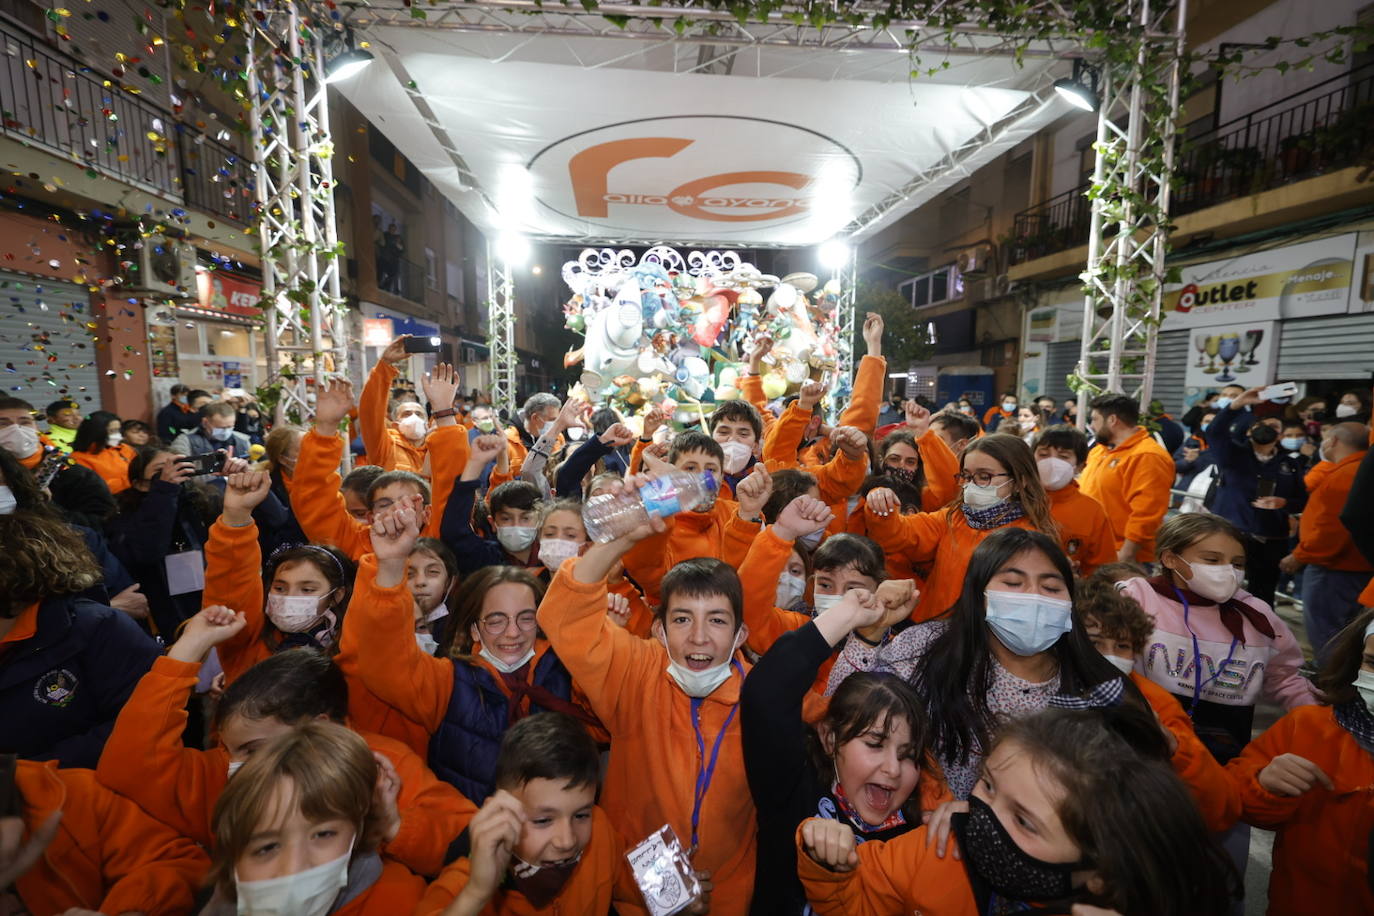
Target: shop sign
(221,292)
(1295,281)
(378,332)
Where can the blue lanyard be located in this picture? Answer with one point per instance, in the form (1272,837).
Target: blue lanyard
(1198,682)
(707,772)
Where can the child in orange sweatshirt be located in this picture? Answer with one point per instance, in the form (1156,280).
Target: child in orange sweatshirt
(296,831)
(93,850)
(1309,777)
(540,844)
(1084,529)
(147,761)
(671,706)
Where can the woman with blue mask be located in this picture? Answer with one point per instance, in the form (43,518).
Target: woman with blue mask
(999,487)
(1009,647)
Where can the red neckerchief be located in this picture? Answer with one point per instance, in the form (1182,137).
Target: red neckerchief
(519,683)
(1233,612)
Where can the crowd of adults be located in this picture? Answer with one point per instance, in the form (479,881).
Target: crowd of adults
(945,661)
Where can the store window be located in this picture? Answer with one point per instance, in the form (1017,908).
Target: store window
(214,355)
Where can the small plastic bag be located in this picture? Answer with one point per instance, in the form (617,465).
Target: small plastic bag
(664,874)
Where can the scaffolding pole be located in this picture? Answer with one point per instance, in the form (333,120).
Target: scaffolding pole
(292,150)
(501,325)
(848,277)
(1127,244)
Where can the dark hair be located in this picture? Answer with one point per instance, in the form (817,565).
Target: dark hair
(548,745)
(1344,656)
(332,563)
(694,440)
(907,495)
(197,393)
(359,480)
(9,403)
(1132,818)
(513,494)
(955,674)
(131,425)
(736,411)
(387,478)
(867,700)
(702,577)
(57,407)
(216,409)
(28,496)
(440,551)
(962,427)
(92,432)
(1062,435)
(1118,615)
(603,420)
(457,639)
(841,550)
(291,686)
(907,438)
(178,388)
(1123,407)
(788,484)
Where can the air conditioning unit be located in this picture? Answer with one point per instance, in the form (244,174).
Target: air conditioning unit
(166,268)
(975,261)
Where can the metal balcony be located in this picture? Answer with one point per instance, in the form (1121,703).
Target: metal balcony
(56,103)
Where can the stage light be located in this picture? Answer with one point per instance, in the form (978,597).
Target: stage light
(349,63)
(512,248)
(1079,90)
(834,255)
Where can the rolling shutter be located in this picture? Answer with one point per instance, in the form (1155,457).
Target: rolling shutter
(1331,347)
(1171,368)
(46,350)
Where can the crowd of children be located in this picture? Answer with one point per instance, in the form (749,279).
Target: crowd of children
(921,667)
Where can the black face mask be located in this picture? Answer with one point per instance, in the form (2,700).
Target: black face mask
(541,884)
(1263,434)
(905,475)
(994,859)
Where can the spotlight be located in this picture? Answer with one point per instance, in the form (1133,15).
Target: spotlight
(1079,90)
(347,63)
(513,248)
(834,255)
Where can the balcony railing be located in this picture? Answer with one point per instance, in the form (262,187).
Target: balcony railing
(1274,145)
(58,104)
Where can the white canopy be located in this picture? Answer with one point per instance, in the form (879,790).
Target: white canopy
(594,139)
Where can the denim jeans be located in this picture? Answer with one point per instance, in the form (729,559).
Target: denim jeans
(1330,600)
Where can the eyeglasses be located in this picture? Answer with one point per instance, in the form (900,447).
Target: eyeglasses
(496,624)
(981,478)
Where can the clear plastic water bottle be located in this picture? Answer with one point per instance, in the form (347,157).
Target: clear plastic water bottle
(613,515)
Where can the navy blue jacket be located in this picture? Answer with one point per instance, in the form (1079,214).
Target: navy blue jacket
(473,551)
(172,421)
(61,689)
(464,748)
(164,521)
(1241,471)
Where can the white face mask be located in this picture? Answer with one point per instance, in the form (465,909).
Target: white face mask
(575,433)
(1346,410)
(1364,683)
(981,497)
(701,683)
(412,427)
(235,766)
(294,613)
(1055,473)
(8,503)
(823,603)
(501,664)
(426,643)
(812,540)
(19,441)
(1218,582)
(790,588)
(307,893)
(113,439)
(554,552)
(1124,665)
(516,537)
(737,456)
(1028,624)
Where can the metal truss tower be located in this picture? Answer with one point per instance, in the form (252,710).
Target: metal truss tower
(292,150)
(501,330)
(1127,242)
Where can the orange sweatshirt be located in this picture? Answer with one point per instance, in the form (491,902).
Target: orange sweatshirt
(1321,851)
(588,890)
(656,731)
(108,856)
(112,464)
(941,540)
(319,506)
(718,533)
(1084,529)
(232,578)
(395,891)
(996,411)
(1322,539)
(759,574)
(386,447)
(751,389)
(1216,797)
(902,875)
(146,762)
(1132,483)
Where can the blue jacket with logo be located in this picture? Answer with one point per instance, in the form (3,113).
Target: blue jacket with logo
(1241,473)
(61,689)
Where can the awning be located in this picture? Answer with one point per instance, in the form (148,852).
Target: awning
(595,139)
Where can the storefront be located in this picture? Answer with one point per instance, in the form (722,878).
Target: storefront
(1301,311)
(213,343)
(381,326)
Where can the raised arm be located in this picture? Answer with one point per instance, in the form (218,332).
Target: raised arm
(866,398)
(784,438)
(233,571)
(372,406)
(841,476)
(764,564)
(315,498)
(455,528)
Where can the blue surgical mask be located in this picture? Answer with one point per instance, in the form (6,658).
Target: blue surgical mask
(1028,624)
(812,540)
(221,433)
(1292,443)
(1221,403)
